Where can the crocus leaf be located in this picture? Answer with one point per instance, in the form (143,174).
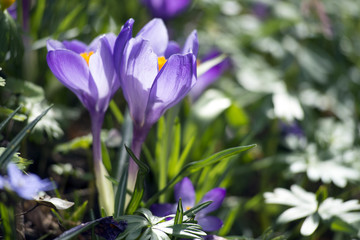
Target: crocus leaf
(3,123)
(10,150)
(198,165)
(122,167)
(179,213)
(139,185)
(192,211)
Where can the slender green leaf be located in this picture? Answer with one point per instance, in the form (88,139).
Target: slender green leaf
(116,111)
(138,193)
(121,167)
(105,157)
(3,123)
(10,150)
(179,213)
(192,211)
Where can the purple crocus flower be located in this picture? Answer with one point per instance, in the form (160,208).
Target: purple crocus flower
(88,71)
(210,76)
(152,79)
(166,9)
(185,190)
(26,186)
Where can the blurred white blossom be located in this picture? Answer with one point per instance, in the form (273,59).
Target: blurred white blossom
(305,205)
(330,170)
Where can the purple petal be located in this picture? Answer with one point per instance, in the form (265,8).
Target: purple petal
(166,8)
(155,31)
(173,82)
(122,39)
(72,71)
(26,186)
(111,37)
(139,68)
(54,45)
(215,195)
(185,190)
(102,70)
(192,44)
(172,48)
(12,10)
(13,172)
(209,77)
(209,223)
(75,46)
(163,209)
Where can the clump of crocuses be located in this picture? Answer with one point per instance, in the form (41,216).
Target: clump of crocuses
(153,79)
(26,186)
(185,190)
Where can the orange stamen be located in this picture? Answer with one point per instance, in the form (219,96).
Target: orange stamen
(187,208)
(86,56)
(161,62)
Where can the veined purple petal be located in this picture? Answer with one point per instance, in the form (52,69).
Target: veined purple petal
(173,82)
(215,195)
(210,76)
(72,71)
(75,46)
(172,48)
(111,37)
(192,44)
(120,43)
(185,190)
(209,223)
(54,45)
(155,31)
(102,70)
(139,68)
(163,209)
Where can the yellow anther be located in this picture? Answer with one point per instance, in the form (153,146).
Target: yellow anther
(187,208)
(86,56)
(161,62)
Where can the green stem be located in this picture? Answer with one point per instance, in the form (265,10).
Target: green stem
(104,186)
(116,111)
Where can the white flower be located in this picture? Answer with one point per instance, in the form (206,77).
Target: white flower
(329,170)
(304,205)
(287,107)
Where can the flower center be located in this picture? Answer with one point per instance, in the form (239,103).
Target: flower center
(86,56)
(161,61)
(187,208)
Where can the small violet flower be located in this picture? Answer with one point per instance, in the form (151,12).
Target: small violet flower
(153,79)
(26,186)
(166,9)
(185,190)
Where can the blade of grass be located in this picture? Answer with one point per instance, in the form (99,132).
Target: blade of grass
(3,123)
(10,150)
